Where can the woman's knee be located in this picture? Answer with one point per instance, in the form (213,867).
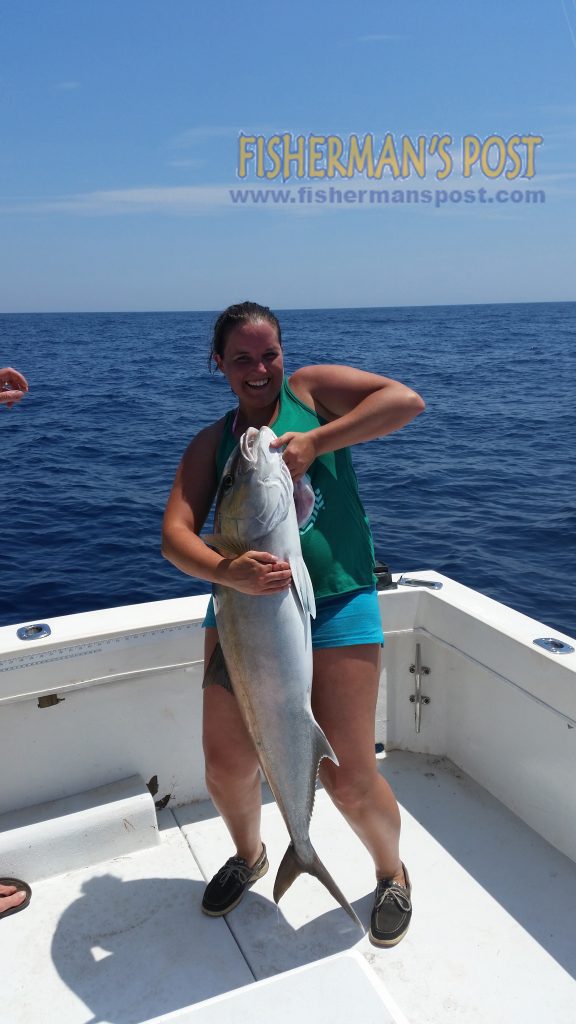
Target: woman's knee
(223,764)
(228,748)
(349,788)
(227,759)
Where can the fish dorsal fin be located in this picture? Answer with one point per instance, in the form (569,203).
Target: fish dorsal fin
(227,546)
(303,585)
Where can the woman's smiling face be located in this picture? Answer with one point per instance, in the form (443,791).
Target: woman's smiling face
(253,363)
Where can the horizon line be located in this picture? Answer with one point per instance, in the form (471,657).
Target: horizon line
(283,309)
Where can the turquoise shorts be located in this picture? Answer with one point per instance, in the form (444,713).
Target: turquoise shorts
(341,621)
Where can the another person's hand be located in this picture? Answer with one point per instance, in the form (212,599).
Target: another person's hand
(299,453)
(13,386)
(256,573)
(10,897)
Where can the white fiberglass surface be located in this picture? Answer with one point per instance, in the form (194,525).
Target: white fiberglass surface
(492,936)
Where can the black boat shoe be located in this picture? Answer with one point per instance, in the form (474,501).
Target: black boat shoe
(391,912)
(228,886)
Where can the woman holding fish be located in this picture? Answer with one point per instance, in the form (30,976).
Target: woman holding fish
(316,414)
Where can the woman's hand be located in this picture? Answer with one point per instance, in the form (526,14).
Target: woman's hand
(299,453)
(13,386)
(255,573)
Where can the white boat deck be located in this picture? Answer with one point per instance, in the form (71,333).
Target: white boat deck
(106,710)
(492,940)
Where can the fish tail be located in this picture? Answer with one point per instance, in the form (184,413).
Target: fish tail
(292,866)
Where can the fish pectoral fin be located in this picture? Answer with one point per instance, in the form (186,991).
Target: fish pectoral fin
(226,546)
(304,500)
(303,585)
(291,866)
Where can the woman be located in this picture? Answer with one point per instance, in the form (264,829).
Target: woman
(316,414)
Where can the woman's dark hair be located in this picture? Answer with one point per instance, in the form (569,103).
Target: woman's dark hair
(237,316)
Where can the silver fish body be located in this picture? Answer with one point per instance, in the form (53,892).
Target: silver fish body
(267,647)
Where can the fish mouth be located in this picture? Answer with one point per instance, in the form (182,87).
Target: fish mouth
(249,444)
(255,445)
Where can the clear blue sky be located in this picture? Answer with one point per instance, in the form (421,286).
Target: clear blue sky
(120,122)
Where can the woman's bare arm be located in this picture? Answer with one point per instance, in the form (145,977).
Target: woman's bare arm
(194,490)
(358,406)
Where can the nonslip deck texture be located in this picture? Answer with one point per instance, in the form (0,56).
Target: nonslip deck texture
(492,937)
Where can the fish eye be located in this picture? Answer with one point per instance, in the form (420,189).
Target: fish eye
(227,482)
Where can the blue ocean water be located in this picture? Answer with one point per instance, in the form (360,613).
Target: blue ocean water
(481,487)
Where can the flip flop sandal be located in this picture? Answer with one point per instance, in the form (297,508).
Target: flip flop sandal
(19,886)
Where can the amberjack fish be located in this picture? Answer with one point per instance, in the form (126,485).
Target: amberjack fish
(267,647)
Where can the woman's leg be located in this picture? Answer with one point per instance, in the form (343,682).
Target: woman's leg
(344,695)
(232,769)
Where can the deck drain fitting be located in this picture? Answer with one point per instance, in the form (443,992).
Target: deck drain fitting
(50,700)
(33,632)
(549,643)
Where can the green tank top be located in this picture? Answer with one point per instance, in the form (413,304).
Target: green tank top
(336,542)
